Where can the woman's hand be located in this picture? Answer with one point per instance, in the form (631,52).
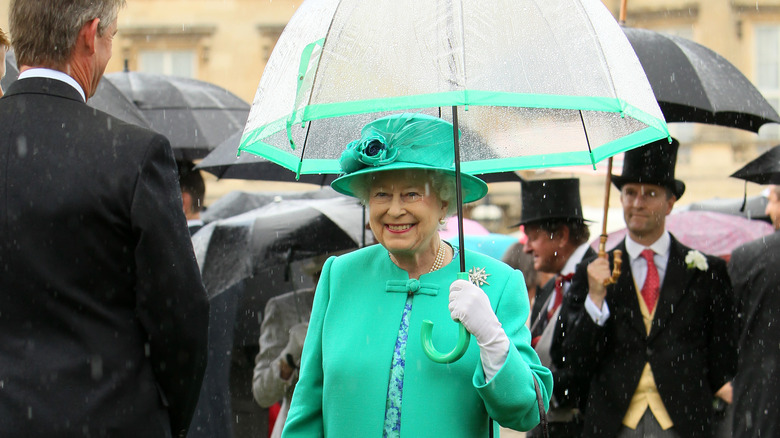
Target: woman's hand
(470,306)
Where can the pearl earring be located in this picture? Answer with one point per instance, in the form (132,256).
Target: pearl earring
(442,221)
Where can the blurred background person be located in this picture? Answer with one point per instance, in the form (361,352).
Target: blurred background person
(558,241)
(354,378)
(5,44)
(193,192)
(517,258)
(753,269)
(285,321)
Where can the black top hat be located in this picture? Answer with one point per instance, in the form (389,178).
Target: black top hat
(549,199)
(652,163)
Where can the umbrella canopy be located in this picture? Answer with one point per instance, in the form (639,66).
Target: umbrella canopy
(194,115)
(694,84)
(710,232)
(223,162)
(234,249)
(110,99)
(765,169)
(545,82)
(752,207)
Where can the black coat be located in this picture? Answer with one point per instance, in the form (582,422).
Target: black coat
(569,388)
(755,273)
(103,316)
(691,347)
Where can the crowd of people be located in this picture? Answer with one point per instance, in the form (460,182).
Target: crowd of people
(104,317)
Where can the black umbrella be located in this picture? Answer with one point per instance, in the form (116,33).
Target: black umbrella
(754,207)
(765,169)
(11,70)
(196,116)
(222,162)
(694,84)
(110,99)
(234,249)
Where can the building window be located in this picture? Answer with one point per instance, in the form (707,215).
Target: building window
(168,62)
(767,70)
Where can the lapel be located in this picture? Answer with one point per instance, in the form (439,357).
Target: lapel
(47,86)
(675,284)
(624,293)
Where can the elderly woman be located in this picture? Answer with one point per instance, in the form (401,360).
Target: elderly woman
(363,370)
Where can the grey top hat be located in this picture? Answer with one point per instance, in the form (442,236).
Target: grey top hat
(652,163)
(551,199)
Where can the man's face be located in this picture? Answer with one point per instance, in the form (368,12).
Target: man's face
(645,207)
(545,247)
(103,52)
(773,207)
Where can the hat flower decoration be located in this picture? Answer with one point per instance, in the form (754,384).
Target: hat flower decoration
(373,150)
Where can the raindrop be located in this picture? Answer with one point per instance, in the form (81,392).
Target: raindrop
(21,146)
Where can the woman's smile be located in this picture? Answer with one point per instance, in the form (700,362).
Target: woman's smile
(399,228)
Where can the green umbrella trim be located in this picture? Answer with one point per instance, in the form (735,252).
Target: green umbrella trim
(319,166)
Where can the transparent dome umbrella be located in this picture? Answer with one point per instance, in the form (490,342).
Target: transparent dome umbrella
(541,82)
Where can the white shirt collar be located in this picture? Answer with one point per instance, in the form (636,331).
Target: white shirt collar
(194,222)
(40,72)
(574,259)
(660,246)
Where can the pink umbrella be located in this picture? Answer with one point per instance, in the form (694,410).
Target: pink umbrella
(708,231)
(470,228)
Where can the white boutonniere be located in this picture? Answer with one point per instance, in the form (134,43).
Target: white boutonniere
(695,259)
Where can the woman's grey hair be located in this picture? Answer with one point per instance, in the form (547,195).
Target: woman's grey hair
(442,184)
(44,32)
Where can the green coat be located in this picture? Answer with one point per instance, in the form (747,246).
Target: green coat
(349,346)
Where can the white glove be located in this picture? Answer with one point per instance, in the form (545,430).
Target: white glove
(470,306)
(292,352)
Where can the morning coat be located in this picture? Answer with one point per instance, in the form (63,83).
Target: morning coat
(103,315)
(691,347)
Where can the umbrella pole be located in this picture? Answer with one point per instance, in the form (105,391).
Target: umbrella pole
(623,6)
(426,331)
(458,190)
(618,260)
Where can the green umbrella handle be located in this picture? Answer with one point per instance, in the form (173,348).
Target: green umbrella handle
(460,348)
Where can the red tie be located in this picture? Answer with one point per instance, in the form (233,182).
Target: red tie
(652,284)
(559,281)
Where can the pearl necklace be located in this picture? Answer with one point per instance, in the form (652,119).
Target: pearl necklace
(439,261)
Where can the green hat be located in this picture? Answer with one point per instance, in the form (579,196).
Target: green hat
(404,141)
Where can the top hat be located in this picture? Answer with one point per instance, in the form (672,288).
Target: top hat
(551,199)
(404,141)
(652,163)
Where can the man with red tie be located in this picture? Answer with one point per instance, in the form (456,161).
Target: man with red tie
(658,343)
(558,240)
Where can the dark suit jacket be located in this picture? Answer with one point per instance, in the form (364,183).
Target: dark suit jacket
(754,270)
(103,316)
(691,347)
(569,388)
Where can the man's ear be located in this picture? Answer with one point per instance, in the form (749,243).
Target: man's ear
(87,36)
(563,233)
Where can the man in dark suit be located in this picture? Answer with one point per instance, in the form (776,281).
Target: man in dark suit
(102,311)
(753,269)
(659,342)
(558,240)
